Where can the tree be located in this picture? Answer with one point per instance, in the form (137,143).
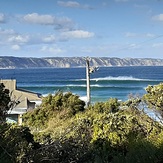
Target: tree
(154,98)
(15,141)
(104,132)
(4,102)
(62,105)
(110,131)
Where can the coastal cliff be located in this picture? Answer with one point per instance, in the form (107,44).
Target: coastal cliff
(61,62)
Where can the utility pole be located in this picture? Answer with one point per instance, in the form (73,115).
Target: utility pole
(89,70)
(88,81)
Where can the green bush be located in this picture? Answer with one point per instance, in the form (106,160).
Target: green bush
(4,102)
(51,107)
(154,97)
(111,131)
(112,105)
(15,143)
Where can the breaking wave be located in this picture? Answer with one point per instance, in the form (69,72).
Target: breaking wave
(120,78)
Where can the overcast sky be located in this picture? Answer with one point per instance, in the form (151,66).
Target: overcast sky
(99,28)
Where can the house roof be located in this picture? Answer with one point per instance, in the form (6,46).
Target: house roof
(20,95)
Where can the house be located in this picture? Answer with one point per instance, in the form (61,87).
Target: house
(25,101)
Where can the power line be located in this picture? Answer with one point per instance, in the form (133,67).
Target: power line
(140,43)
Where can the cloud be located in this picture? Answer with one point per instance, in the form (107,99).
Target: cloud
(39,19)
(52,49)
(15,47)
(150,35)
(60,23)
(6,31)
(158,17)
(77,34)
(2,18)
(157,45)
(18,39)
(73,4)
(131,34)
(5,35)
(49,39)
(12,39)
(134,46)
(69,4)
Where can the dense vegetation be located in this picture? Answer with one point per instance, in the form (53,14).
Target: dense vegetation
(4,102)
(105,132)
(15,141)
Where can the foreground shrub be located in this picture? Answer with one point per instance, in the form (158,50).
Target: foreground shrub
(106,132)
(101,134)
(68,104)
(154,98)
(15,143)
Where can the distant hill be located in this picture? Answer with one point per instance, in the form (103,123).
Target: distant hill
(58,62)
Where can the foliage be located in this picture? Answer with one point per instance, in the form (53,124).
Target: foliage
(15,143)
(111,105)
(4,102)
(64,105)
(154,97)
(114,133)
(104,132)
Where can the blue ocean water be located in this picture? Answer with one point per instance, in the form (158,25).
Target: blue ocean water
(107,82)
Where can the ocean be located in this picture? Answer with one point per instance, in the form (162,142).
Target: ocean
(107,82)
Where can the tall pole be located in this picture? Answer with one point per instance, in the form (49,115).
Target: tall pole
(88,81)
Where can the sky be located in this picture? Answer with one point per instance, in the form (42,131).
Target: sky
(79,28)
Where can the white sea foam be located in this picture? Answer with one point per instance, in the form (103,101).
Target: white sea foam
(83,98)
(120,78)
(116,78)
(45,95)
(76,85)
(84,85)
(97,85)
